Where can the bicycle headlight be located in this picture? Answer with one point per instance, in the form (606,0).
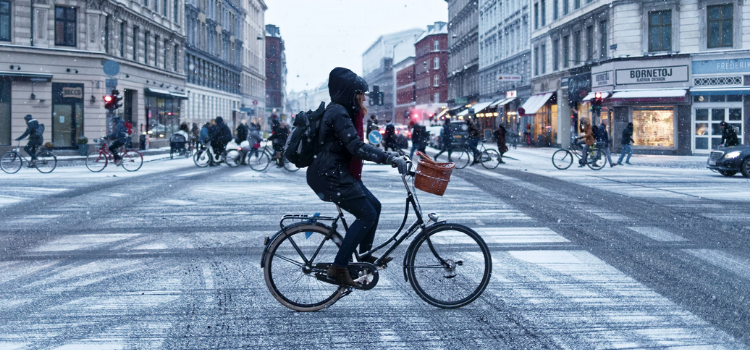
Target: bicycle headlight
(731,155)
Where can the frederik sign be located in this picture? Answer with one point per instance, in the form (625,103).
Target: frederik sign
(652,75)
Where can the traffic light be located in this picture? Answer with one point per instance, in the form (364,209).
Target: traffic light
(117,98)
(380,98)
(108,102)
(596,102)
(113,101)
(371,96)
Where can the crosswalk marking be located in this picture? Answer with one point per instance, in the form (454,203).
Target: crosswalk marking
(657,234)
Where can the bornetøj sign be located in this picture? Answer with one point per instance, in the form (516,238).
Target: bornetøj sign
(651,75)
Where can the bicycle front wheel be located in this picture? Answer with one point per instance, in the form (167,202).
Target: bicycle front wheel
(449,266)
(597,160)
(258,160)
(46,162)
(233,158)
(11,162)
(562,159)
(490,159)
(461,158)
(201,158)
(289,166)
(132,160)
(96,161)
(290,268)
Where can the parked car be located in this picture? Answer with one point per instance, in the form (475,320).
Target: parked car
(460,133)
(728,161)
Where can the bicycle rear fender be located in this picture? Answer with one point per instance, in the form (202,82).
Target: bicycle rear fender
(427,230)
(267,240)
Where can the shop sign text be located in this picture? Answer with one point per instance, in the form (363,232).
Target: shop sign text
(602,79)
(511,94)
(652,75)
(72,92)
(740,65)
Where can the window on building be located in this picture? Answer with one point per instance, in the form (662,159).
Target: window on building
(590,43)
(576,4)
(536,61)
(436,45)
(660,31)
(653,126)
(565,4)
(566,51)
(146,36)
(176,55)
(166,45)
(145,3)
(164,8)
(436,81)
(544,12)
(720,26)
(5,20)
(122,39)
(436,97)
(577,47)
(555,15)
(603,44)
(65,26)
(156,6)
(107,19)
(555,55)
(176,14)
(156,51)
(536,16)
(436,63)
(544,59)
(135,43)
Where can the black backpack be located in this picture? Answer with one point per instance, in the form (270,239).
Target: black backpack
(302,145)
(39,130)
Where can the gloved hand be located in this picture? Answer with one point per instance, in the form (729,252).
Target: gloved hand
(398,162)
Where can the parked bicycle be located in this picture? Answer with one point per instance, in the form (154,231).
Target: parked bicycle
(45,162)
(448,265)
(204,153)
(563,158)
(96,161)
(259,159)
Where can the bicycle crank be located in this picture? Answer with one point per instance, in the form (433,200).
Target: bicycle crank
(361,272)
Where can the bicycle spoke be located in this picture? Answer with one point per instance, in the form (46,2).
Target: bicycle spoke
(289,260)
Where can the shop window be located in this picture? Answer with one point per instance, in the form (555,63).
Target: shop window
(718,98)
(720,25)
(653,126)
(734,98)
(700,98)
(5,20)
(65,26)
(660,31)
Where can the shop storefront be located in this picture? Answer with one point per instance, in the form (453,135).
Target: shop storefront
(540,115)
(653,95)
(67,114)
(162,113)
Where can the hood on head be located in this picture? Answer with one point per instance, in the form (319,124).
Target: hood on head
(219,120)
(344,85)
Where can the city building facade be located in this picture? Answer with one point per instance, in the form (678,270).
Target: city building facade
(463,43)
(213,60)
(53,56)
(431,72)
(405,92)
(253,62)
(308,100)
(275,72)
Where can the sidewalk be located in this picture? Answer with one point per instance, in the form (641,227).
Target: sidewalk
(148,156)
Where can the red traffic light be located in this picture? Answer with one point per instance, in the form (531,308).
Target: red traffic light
(107,98)
(598,95)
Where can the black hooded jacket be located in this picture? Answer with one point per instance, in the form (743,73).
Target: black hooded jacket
(329,174)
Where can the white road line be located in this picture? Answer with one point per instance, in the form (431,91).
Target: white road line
(658,234)
(738,265)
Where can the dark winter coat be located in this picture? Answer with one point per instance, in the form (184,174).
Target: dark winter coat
(329,175)
(474,132)
(446,135)
(390,133)
(279,136)
(242,132)
(205,135)
(627,136)
(417,135)
(603,135)
(729,136)
(220,133)
(500,138)
(120,132)
(31,128)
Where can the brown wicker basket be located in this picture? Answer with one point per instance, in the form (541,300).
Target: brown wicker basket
(432,177)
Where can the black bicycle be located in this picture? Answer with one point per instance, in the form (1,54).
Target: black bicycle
(448,265)
(12,161)
(563,158)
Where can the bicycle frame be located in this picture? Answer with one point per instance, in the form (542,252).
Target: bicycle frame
(17,151)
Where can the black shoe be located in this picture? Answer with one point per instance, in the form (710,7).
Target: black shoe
(342,275)
(371,259)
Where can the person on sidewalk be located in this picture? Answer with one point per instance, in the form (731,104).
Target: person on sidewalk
(586,139)
(627,140)
(604,139)
(728,135)
(500,138)
(417,135)
(446,139)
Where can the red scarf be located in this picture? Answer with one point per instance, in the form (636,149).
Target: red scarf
(355,165)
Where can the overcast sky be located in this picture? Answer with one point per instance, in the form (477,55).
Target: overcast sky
(322,34)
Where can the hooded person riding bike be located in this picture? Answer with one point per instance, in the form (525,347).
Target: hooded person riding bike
(336,173)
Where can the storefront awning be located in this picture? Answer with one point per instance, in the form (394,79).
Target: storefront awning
(179,95)
(720,91)
(588,97)
(158,92)
(650,95)
(21,76)
(480,106)
(502,102)
(463,113)
(442,113)
(532,105)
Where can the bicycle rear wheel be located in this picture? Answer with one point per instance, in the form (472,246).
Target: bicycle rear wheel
(289,272)
(11,162)
(597,160)
(450,266)
(490,159)
(289,166)
(462,158)
(562,159)
(258,161)
(201,158)
(233,158)
(46,162)
(96,161)
(132,160)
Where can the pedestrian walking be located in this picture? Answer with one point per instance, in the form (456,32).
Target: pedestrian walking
(242,130)
(389,139)
(604,140)
(417,136)
(473,139)
(500,138)
(728,135)
(627,140)
(446,140)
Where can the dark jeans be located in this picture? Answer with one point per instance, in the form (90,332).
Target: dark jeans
(443,149)
(30,148)
(219,148)
(473,143)
(362,230)
(113,148)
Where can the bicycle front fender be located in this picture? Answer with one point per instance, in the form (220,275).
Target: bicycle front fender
(426,231)
(268,240)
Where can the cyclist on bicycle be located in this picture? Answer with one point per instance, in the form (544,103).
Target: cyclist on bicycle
(35,139)
(220,135)
(336,173)
(119,135)
(473,139)
(278,140)
(586,139)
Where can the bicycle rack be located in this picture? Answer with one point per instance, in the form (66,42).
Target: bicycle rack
(310,219)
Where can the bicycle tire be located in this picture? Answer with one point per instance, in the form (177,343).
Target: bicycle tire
(201,158)
(96,161)
(463,160)
(233,158)
(46,162)
(11,162)
(132,160)
(490,159)
(260,162)
(599,160)
(562,159)
(462,248)
(289,166)
(276,270)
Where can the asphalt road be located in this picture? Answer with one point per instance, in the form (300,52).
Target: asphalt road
(169,258)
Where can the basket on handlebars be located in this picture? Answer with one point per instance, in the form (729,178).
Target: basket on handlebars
(431,176)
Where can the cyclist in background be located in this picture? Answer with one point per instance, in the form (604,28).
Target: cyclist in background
(35,139)
(473,139)
(586,139)
(446,139)
(118,135)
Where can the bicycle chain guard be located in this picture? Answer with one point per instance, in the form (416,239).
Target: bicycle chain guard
(362,272)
